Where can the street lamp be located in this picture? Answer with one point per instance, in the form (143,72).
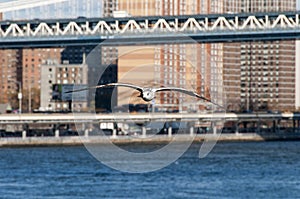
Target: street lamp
(19,94)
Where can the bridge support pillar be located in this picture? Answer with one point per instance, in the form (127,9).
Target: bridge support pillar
(170,131)
(191,131)
(294,125)
(237,128)
(215,130)
(114,133)
(274,126)
(24,134)
(144,132)
(86,133)
(258,126)
(56,133)
(25,130)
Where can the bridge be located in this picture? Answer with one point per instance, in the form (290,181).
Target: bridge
(237,27)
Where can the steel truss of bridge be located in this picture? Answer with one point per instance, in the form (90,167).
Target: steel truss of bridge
(150,30)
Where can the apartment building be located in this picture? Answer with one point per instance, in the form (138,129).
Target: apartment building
(54,73)
(67,9)
(102,69)
(11,80)
(260,76)
(193,66)
(31,63)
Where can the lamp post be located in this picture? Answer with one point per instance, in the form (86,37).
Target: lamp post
(19,94)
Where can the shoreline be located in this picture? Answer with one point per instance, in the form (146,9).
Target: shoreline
(82,140)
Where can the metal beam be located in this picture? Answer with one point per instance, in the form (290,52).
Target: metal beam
(151,30)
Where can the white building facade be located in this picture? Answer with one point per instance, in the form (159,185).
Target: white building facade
(60,74)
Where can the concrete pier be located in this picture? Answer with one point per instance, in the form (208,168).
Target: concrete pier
(86,132)
(59,129)
(56,133)
(144,132)
(114,134)
(170,131)
(191,131)
(81,140)
(24,133)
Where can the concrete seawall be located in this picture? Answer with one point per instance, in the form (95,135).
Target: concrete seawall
(80,140)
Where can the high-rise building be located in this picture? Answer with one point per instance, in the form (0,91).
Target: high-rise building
(11,80)
(66,9)
(53,74)
(192,66)
(297,86)
(31,65)
(31,59)
(297,74)
(260,75)
(102,69)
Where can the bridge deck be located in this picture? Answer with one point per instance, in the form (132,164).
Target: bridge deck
(150,30)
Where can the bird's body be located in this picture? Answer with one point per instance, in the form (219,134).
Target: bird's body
(148,94)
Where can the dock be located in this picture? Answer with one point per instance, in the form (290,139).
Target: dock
(157,139)
(24,129)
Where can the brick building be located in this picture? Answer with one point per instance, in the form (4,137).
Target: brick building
(31,63)
(260,76)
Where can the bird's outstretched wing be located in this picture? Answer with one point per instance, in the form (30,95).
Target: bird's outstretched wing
(188,92)
(108,86)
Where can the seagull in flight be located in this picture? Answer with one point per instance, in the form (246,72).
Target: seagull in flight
(147,93)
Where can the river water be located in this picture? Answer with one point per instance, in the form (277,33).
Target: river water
(231,170)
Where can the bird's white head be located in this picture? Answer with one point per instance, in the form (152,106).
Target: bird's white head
(148,94)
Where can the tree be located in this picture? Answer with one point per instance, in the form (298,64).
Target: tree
(34,94)
(13,100)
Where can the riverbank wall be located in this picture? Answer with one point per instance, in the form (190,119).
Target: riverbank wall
(81,140)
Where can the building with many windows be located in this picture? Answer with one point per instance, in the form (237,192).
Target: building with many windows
(30,60)
(193,66)
(260,75)
(66,9)
(11,78)
(31,64)
(53,74)
(10,81)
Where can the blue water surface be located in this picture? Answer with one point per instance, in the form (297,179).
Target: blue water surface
(231,170)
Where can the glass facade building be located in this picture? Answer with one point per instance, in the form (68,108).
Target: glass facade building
(67,9)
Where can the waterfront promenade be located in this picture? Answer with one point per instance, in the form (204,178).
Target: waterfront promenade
(82,140)
(22,129)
